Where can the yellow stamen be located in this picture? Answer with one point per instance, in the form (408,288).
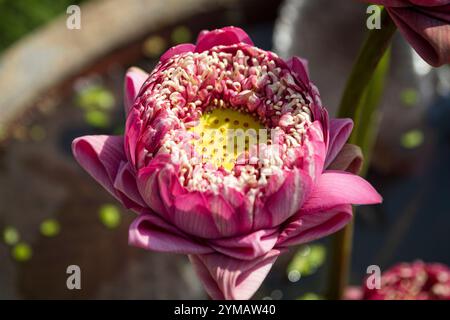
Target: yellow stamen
(224,134)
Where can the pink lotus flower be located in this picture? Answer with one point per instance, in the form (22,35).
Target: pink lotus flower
(425,24)
(232,220)
(408,281)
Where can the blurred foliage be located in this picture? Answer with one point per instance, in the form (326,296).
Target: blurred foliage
(409,97)
(307,260)
(310,296)
(154,46)
(412,139)
(181,34)
(50,228)
(11,236)
(110,216)
(22,252)
(96,100)
(37,133)
(18,17)
(95,97)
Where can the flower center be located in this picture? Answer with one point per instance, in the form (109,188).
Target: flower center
(224,135)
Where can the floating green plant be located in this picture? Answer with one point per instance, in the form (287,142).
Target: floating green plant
(50,228)
(110,216)
(22,252)
(11,236)
(412,139)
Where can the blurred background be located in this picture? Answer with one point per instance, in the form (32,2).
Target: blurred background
(58,83)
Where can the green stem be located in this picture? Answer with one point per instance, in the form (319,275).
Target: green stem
(370,54)
(352,105)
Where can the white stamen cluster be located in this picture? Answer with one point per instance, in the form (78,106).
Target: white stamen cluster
(239,77)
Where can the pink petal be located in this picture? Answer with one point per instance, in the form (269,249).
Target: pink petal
(282,199)
(425,24)
(349,159)
(148,231)
(336,188)
(134,79)
(181,48)
(427,31)
(188,211)
(232,279)
(340,130)
(125,182)
(247,247)
(133,129)
(193,216)
(226,36)
(306,227)
(149,187)
(101,157)
(300,68)
(408,3)
(232,211)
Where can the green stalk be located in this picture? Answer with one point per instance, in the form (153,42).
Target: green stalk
(360,101)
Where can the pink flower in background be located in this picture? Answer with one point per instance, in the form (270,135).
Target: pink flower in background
(425,24)
(233,218)
(408,281)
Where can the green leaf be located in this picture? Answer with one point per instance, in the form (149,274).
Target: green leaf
(110,216)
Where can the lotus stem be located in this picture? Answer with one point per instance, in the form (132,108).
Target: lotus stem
(369,57)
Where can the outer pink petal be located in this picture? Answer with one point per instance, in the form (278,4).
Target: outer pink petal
(349,159)
(181,48)
(340,130)
(101,157)
(306,227)
(188,211)
(337,187)
(148,231)
(232,279)
(247,247)
(192,215)
(134,79)
(225,36)
(282,200)
(125,183)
